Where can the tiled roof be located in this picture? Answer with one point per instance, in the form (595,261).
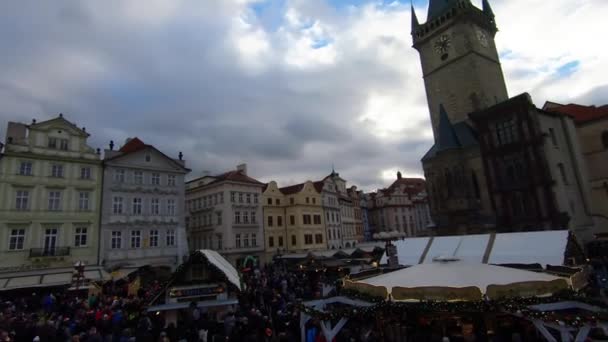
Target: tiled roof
(235,176)
(319,186)
(580,113)
(133,145)
(293,189)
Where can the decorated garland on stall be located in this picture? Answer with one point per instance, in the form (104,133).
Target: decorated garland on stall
(515,306)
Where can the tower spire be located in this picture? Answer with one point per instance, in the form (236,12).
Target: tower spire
(487,9)
(415,22)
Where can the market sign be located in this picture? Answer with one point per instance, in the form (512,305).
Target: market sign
(205,291)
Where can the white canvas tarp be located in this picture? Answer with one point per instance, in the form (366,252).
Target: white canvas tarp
(223,265)
(545,248)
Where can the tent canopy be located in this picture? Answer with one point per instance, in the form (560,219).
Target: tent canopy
(449,280)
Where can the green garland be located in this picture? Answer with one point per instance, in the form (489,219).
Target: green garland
(516,306)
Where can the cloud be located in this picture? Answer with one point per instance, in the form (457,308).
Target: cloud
(289,86)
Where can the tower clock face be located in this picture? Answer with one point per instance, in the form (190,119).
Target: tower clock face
(442,44)
(483,38)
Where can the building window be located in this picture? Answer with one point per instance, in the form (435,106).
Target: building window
(255,198)
(306,219)
(22,199)
(170,238)
(16,239)
(237,217)
(171,180)
(148,158)
(314,200)
(253,217)
(292,201)
(119,176)
(155,180)
(83,201)
(308,239)
(171,207)
(269,221)
(138,177)
(219,218)
(248,198)
(137,204)
(240,197)
(135,238)
(80,237)
(307,200)
(270,201)
(220,242)
(562,171)
(52,143)
(63,144)
(280,241)
(85,173)
(605,139)
(277,201)
(50,240)
(232,196)
(505,132)
(254,241)
(237,241)
(293,240)
(279,221)
(116,240)
(271,242)
(319,239)
(54,200)
(154,238)
(553,137)
(155,206)
(317,219)
(117,205)
(245,217)
(57,170)
(25,169)
(245,240)
(292,220)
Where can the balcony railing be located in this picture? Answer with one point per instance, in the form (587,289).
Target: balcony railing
(49,252)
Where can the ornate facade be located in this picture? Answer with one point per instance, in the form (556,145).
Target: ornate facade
(143,207)
(50,196)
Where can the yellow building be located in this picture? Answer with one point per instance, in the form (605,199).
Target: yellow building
(293,218)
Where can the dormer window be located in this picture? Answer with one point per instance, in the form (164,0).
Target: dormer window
(148,158)
(63,144)
(52,143)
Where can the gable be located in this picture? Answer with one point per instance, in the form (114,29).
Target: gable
(59,124)
(139,159)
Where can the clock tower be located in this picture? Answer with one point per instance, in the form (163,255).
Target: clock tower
(460,62)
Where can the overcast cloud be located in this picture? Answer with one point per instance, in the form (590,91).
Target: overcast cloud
(288,86)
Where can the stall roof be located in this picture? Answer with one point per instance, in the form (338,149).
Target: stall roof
(456,275)
(223,265)
(545,248)
(47,277)
(542,247)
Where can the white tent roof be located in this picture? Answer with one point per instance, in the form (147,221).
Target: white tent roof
(455,274)
(218,261)
(545,248)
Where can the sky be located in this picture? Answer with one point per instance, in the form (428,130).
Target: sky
(290,87)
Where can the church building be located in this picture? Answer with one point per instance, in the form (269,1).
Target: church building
(497,163)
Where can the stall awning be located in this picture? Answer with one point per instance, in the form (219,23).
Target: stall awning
(184,305)
(47,277)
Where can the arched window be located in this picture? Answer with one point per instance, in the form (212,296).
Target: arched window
(605,139)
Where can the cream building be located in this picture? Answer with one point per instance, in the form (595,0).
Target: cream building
(293,218)
(225,215)
(50,191)
(143,208)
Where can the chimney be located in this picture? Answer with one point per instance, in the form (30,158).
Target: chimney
(16,133)
(242,168)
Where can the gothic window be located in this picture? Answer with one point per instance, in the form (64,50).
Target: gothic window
(506,132)
(605,139)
